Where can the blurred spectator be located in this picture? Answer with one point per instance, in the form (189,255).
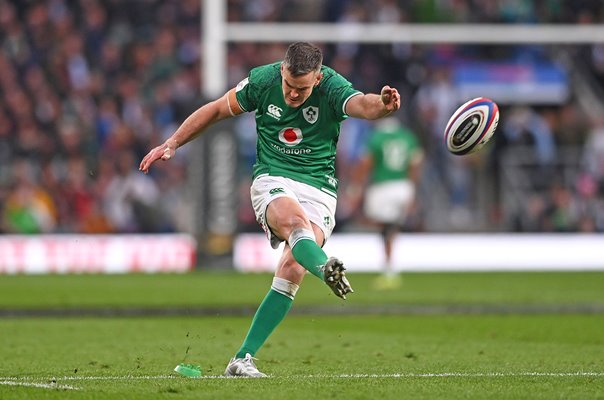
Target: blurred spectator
(562,214)
(530,135)
(28,207)
(85,213)
(594,154)
(541,131)
(590,204)
(131,199)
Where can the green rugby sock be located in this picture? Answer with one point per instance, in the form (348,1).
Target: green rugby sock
(307,252)
(271,312)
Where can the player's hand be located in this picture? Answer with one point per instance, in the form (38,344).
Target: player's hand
(391,98)
(164,152)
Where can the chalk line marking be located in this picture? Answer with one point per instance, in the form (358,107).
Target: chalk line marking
(30,381)
(13,382)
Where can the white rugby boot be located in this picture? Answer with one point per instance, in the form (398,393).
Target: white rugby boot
(335,277)
(243,367)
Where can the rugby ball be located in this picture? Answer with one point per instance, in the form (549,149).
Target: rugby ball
(471,126)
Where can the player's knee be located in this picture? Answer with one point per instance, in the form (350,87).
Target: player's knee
(300,234)
(285,287)
(286,226)
(295,222)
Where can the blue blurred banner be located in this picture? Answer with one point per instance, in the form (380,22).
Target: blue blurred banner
(512,83)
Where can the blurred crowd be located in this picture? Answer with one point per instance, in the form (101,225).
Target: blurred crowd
(87,87)
(459,11)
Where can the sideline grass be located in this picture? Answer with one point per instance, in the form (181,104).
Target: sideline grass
(476,347)
(232,289)
(499,355)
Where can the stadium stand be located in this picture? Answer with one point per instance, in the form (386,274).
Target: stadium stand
(88,86)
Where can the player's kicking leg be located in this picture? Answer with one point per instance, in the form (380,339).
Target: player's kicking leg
(309,254)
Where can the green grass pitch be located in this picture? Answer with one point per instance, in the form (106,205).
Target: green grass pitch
(440,336)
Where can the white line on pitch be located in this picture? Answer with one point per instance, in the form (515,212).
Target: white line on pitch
(338,376)
(37,385)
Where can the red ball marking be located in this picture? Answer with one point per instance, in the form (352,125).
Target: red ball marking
(290,135)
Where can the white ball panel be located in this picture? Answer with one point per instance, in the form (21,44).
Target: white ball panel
(483,109)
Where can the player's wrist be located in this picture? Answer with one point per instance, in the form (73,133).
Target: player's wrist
(172,144)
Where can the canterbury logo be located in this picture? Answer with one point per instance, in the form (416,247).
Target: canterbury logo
(275,111)
(274,191)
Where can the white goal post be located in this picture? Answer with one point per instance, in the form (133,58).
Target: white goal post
(218,32)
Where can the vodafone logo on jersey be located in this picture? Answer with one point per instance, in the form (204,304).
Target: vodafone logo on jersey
(290,136)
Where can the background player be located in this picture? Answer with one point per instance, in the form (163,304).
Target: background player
(392,163)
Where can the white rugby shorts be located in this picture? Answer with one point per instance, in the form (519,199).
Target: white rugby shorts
(389,202)
(319,206)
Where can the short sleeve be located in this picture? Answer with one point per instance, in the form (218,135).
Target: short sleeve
(245,95)
(250,89)
(339,91)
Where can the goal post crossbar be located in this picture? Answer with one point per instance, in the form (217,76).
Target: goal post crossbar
(218,32)
(415,33)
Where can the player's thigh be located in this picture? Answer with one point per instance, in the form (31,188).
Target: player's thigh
(264,191)
(285,214)
(282,204)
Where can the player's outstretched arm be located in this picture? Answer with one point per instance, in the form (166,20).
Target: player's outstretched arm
(374,106)
(193,126)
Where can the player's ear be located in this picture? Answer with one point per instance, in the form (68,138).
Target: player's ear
(319,76)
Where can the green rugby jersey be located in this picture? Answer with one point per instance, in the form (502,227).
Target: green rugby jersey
(392,151)
(297,143)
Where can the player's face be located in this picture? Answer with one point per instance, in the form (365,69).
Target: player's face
(297,89)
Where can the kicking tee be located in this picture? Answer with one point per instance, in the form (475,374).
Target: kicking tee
(297,143)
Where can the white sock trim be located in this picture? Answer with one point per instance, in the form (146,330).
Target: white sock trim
(300,234)
(285,287)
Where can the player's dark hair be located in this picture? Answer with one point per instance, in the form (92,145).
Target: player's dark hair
(302,58)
